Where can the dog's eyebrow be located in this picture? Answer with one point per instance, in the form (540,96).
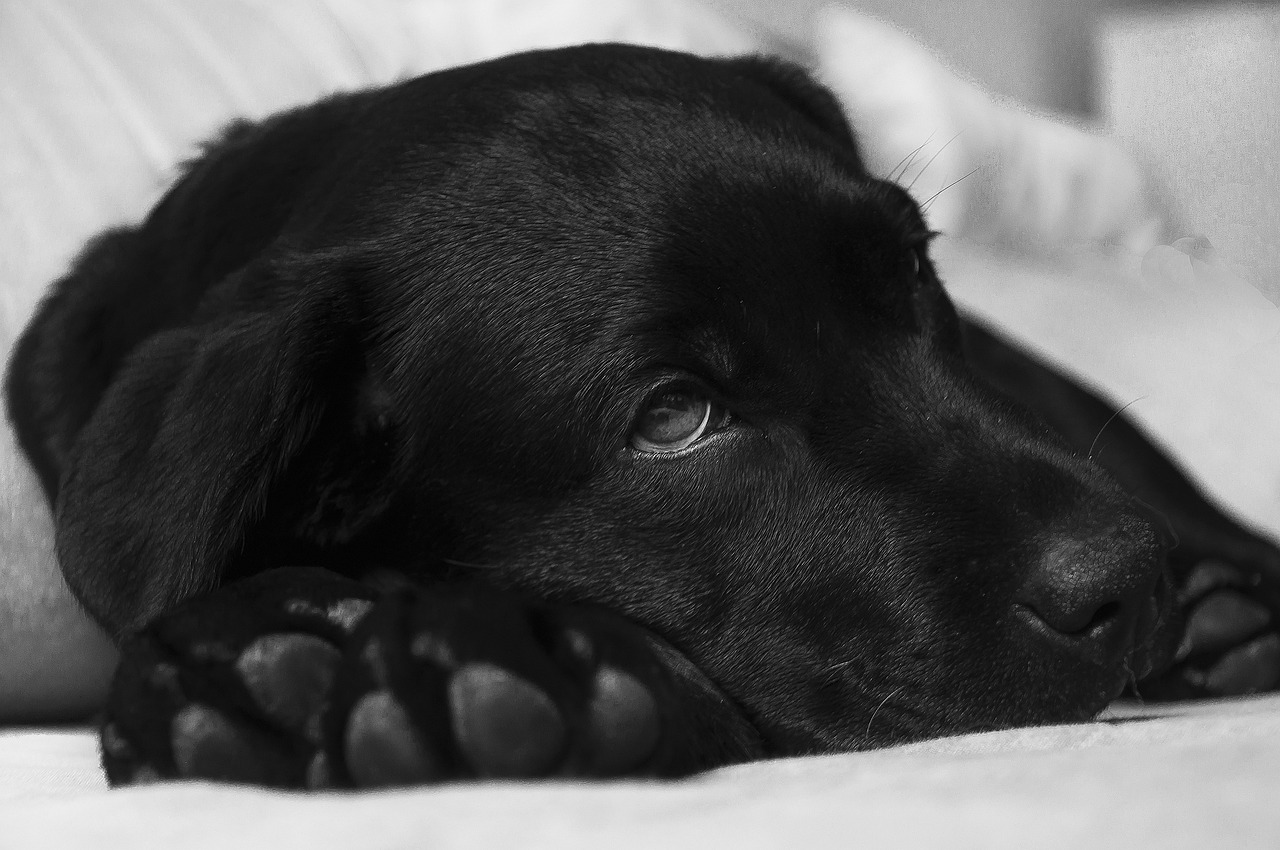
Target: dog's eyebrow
(711,350)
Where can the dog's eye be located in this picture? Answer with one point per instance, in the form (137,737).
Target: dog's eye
(675,418)
(916,258)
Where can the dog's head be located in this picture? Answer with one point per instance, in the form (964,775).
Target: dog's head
(629,328)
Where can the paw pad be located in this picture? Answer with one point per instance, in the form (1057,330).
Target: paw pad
(1248,669)
(1223,619)
(289,677)
(505,726)
(382,747)
(1207,576)
(623,722)
(207,745)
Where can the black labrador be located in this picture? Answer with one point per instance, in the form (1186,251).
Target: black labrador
(588,412)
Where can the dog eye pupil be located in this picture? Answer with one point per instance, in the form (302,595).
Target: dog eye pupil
(673,421)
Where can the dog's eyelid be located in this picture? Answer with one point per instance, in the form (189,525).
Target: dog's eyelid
(681,378)
(917,251)
(918,241)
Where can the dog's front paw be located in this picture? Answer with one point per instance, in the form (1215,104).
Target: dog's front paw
(1231,639)
(234,686)
(300,678)
(1230,614)
(446,686)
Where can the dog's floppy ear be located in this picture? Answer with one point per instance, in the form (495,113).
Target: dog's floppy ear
(795,86)
(180,455)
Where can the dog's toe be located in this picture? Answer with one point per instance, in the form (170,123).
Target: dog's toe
(1229,645)
(1209,575)
(290,676)
(1224,619)
(207,744)
(495,690)
(410,689)
(505,725)
(1251,668)
(248,717)
(382,747)
(624,724)
(235,687)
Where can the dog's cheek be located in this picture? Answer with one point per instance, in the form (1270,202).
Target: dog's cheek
(658,542)
(807,603)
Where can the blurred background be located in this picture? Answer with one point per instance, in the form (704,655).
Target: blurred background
(1193,88)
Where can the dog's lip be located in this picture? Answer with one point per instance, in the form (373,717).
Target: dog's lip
(1155,645)
(1107,663)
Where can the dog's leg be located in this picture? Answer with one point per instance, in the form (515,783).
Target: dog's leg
(1228,578)
(303,678)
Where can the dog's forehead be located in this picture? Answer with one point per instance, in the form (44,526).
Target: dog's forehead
(610,223)
(705,177)
(752,249)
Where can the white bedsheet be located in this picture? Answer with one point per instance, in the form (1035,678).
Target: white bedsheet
(1202,776)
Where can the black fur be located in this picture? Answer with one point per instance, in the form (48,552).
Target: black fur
(406,335)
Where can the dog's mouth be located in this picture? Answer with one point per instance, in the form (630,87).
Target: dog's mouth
(1156,634)
(1148,648)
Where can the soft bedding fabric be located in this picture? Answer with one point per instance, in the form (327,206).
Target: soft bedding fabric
(99,101)
(1184,777)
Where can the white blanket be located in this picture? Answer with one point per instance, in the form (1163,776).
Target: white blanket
(1202,776)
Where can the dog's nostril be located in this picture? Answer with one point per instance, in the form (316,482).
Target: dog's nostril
(1106,612)
(1077,621)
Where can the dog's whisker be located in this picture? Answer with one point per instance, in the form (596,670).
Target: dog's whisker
(872,719)
(925,167)
(900,169)
(934,196)
(1089,455)
(453,562)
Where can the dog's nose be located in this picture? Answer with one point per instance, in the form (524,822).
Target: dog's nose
(1087,590)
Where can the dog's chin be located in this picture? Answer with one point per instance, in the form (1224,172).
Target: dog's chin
(1152,649)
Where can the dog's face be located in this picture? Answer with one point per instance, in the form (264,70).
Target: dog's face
(643,332)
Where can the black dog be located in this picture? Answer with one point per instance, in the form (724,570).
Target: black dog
(587,412)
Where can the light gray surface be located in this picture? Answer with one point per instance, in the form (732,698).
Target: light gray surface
(1200,777)
(1193,89)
